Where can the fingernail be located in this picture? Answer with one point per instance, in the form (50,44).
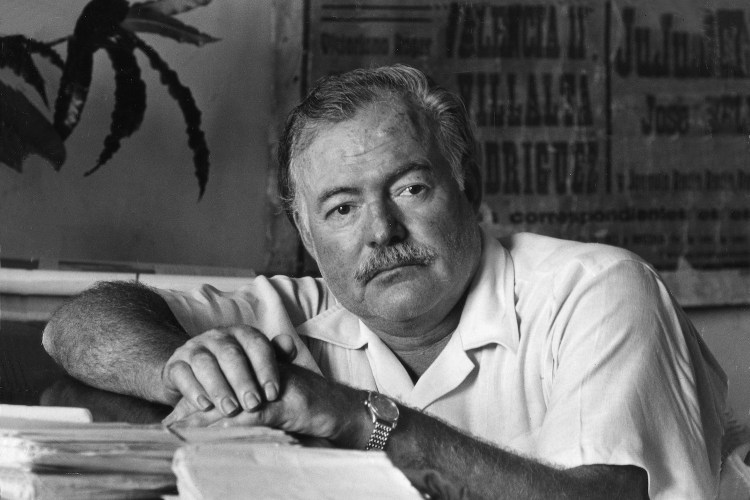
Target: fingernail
(251,401)
(271,391)
(228,406)
(204,403)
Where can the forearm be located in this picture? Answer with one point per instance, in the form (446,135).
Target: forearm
(486,471)
(116,336)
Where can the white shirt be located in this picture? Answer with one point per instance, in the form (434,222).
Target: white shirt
(566,352)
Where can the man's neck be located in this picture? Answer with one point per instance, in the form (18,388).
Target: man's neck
(417,361)
(418,345)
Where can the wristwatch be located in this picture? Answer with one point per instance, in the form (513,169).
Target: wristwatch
(384,413)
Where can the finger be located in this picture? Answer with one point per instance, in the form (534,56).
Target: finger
(235,366)
(180,376)
(214,418)
(209,374)
(285,348)
(243,419)
(197,419)
(263,360)
(182,409)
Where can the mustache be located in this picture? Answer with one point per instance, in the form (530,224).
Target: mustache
(388,257)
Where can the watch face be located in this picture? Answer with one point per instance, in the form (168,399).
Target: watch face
(383,407)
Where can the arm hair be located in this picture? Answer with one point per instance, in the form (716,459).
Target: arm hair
(116,336)
(485,471)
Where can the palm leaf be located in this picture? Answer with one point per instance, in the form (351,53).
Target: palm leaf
(98,22)
(172,7)
(130,97)
(14,54)
(74,86)
(183,96)
(44,50)
(143,18)
(24,131)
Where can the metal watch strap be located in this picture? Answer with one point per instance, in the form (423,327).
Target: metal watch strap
(379,436)
(384,413)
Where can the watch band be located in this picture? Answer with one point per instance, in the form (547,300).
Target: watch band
(384,413)
(379,436)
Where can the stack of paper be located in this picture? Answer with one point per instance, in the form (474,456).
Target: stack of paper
(19,484)
(235,471)
(42,459)
(47,459)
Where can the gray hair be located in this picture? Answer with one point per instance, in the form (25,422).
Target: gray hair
(338,98)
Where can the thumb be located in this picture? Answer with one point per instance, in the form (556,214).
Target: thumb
(182,410)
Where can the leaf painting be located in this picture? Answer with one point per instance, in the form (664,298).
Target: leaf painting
(196,138)
(172,7)
(142,18)
(16,52)
(130,97)
(24,131)
(95,26)
(111,26)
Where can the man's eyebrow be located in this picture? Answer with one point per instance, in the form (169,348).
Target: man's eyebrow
(336,190)
(412,166)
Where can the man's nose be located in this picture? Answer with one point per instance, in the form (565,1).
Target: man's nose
(384,226)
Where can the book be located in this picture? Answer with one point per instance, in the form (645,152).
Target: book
(42,458)
(75,459)
(17,484)
(239,470)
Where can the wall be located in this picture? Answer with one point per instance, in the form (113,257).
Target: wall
(726,331)
(142,206)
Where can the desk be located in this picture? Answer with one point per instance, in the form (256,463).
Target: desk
(28,376)
(25,369)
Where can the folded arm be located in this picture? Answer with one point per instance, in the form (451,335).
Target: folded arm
(123,337)
(486,471)
(116,336)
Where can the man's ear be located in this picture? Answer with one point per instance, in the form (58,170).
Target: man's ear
(304,233)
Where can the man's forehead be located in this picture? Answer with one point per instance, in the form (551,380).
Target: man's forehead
(380,124)
(404,137)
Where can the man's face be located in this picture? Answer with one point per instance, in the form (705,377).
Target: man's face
(395,239)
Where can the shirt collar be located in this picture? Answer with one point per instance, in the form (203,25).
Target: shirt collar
(488,315)
(336,326)
(489,312)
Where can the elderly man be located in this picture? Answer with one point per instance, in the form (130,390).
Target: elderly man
(532,367)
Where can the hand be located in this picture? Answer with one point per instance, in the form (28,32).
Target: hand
(309,405)
(230,369)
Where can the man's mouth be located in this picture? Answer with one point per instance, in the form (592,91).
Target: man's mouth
(388,259)
(388,269)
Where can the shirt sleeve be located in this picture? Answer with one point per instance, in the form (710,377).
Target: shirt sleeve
(272,305)
(632,383)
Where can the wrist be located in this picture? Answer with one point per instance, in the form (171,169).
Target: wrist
(161,392)
(357,425)
(384,413)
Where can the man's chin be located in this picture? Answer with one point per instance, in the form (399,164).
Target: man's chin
(399,300)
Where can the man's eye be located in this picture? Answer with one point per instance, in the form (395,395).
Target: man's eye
(341,212)
(414,190)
